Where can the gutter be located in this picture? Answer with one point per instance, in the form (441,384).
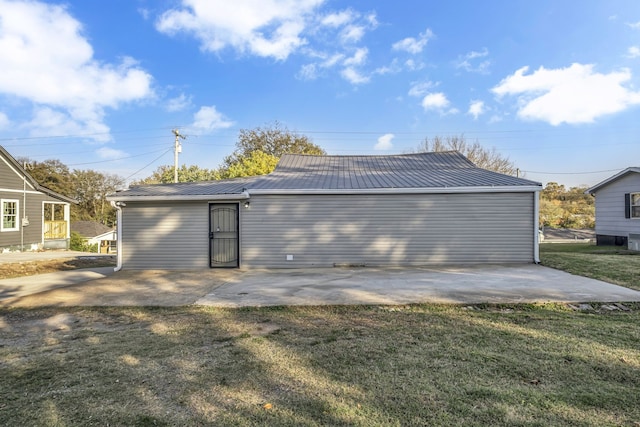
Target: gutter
(118,207)
(418,190)
(180,198)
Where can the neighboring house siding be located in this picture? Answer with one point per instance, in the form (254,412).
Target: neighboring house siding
(165,235)
(610,207)
(415,229)
(32,232)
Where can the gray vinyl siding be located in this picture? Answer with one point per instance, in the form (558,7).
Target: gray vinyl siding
(165,235)
(32,232)
(610,215)
(387,230)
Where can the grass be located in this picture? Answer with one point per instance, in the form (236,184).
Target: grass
(29,268)
(611,264)
(525,365)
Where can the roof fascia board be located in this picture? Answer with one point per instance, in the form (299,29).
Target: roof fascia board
(438,190)
(23,174)
(198,197)
(611,179)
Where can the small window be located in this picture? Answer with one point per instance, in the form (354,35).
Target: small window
(9,215)
(635,205)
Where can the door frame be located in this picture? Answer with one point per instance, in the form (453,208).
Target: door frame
(237,218)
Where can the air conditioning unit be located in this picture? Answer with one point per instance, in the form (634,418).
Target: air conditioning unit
(634,242)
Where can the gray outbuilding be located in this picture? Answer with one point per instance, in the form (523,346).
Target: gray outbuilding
(323,211)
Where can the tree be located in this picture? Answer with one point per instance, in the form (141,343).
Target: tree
(273,141)
(164,175)
(562,208)
(52,174)
(482,157)
(90,190)
(88,187)
(257,163)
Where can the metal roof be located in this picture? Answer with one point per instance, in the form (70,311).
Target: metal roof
(300,173)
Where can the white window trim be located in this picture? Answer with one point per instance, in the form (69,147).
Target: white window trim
(17,202)
(631,205)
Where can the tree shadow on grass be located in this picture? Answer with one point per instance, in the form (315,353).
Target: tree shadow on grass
(314,366)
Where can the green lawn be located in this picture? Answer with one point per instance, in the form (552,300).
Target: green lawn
(527,365)
(612,264)
(519,365)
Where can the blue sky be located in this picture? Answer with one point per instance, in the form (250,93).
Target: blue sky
(553,85)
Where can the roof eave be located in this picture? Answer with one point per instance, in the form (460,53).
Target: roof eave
(421,190)
(177,198)
(611,179)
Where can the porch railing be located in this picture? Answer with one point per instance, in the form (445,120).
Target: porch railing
(55,230)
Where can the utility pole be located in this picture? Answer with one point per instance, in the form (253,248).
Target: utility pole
(177,148)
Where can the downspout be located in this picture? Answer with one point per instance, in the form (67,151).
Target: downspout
(536,225)
(118,208)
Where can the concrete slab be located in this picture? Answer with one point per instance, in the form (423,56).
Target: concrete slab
(465,285)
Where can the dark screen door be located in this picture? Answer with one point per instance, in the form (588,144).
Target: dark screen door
(223,235)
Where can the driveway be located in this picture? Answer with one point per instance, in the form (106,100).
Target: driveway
(236,288)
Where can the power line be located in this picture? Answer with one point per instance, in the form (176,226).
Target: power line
(115,160)
(148,164)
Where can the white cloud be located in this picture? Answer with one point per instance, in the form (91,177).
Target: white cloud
(208,120)
(354,76)
(308,72)
(352,34)
(421,88)
(178,103)
(4,120)
(264,28)
(358,58)
(435,101)
(110,153)
(350,72)
(572,95)
(46,60)
(476,108)
(633,52)
(384,142)
(338,19)
(634,25)
(47,121)
(468,63)
(414,45)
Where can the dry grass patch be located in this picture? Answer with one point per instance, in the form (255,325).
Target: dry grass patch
(611,264)
(360,366)
(29,268)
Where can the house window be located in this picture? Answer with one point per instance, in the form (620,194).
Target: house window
(635,205)
(9,215)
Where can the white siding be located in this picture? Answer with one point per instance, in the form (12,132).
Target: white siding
(610,216)
(165,235)
(417,229)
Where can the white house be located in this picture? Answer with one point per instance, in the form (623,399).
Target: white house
(618,209)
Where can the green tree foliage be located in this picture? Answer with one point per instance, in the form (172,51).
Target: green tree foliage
(164,175)
(88,187)
(562,208)
(79,243)
(272,142)
(52,174)
(256,163)
(91,189)
(482,157)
